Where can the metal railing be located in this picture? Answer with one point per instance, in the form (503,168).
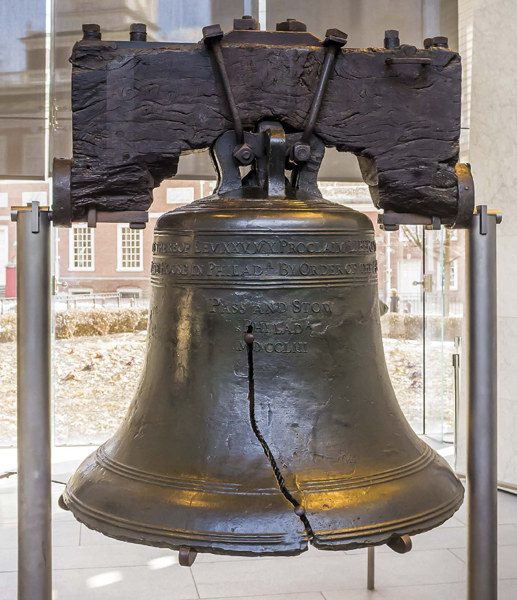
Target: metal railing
(7,305)
(64,302)
(434,304)
(89,301)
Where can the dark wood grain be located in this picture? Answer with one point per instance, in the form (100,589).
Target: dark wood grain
(137,109)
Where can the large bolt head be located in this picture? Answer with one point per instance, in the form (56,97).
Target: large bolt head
(301,152)
(91,27)
(91,31)
(138,28)
(291,25)
(336,37)
(391,39)
(212,33)
(440,41)
(138,32)
(247,23)
(243,154)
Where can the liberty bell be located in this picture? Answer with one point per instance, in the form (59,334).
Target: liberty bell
(264,419)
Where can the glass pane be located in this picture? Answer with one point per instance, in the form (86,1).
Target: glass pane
(166,20)
(366,21)
(400,288)
(100,315)
(399,256)
(11,194)
(22,85)
(444,297)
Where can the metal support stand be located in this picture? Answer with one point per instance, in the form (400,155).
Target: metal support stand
(481,320)
(456,372)
(34,465)
(370,585)
(481,361)
(33,346)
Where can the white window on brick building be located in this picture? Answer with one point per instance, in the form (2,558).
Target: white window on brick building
(28,197)
(129,249)
(180,195)
(81,244)
(129,292)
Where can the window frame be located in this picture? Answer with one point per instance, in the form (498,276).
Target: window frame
(171,190)
(71,257)
(140,233)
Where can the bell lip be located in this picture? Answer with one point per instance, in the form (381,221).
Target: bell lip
(369,540)
(131,536)
(363,541)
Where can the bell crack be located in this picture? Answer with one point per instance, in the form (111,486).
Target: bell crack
(299,510)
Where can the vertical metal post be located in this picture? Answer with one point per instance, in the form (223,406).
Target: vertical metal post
(370,585)
(456,372)
(33,344)
(481,347)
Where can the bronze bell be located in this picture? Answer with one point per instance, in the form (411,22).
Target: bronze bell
(265,418)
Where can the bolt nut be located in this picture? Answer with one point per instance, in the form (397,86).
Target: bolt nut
(243,154)
(138,32)
(247,23)
(291,25)
(299,511)
(335,37)
(249,338)
(212,33)
(91,31)
(391,39)
(440,41)
(301,152)
(428,42)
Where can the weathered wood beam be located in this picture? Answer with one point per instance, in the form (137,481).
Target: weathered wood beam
(137,107)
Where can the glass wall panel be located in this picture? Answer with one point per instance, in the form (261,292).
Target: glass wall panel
(100,316)
(180,21)
(102,298)
(11,194)
(444,303)
(166,20)
(22,89)
(400,256)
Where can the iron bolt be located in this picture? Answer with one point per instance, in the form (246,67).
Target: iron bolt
(243,154)
(212,33)
(301,152)
(138,32)
(249,338)
(291,25)
(391,39)
(91,31)
(247,23)
(440,41)
(335,37)
(299,511)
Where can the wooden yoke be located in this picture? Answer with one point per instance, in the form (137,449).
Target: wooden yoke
(138,106)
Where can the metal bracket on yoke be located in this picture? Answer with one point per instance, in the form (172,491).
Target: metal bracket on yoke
(390,221)
(34,208)
(61,214)
(137,219)
(483,213)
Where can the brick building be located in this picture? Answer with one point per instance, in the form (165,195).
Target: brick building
(113,257)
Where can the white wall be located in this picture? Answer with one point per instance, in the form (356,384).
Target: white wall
(493,155)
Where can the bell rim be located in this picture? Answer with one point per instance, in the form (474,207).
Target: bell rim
(334,541)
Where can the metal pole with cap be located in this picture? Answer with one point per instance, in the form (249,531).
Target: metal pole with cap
(481,347)
(33,356)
